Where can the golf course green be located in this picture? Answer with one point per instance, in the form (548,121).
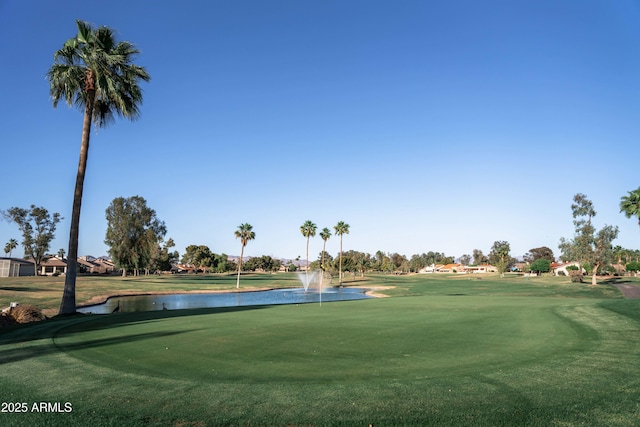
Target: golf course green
(441,350)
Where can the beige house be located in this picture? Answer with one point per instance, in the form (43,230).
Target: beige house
(53,266)
(14,267)
(459,268)
(90,265)
(482,268)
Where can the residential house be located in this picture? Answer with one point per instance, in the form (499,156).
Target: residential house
(450,268)
(561,269)
(14,267)
(53,266)
(105,264)
(482,268)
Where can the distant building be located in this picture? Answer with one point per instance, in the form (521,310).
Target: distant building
(14,267)
(482,268)
(561,269)
(91,265)
(53,266)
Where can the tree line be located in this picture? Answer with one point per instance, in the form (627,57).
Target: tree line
(136,240)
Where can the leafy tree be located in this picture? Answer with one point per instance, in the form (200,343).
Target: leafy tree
(96,74)
(379,260)
(417,262)
(465,259)
(325,234)
(199,256)
(541,265)
(324,259)
(398,260)
(633,267)
(308,230)
(630,204)
(10,246)
(163,259)
(133,232)
(244,233)
(341,228)
(356,261)
(542,252)
(38,229)
(588,247)
(479,257)
(499,256)
(264,263)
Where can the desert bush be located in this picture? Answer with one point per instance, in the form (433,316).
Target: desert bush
(576,276)
(27,313)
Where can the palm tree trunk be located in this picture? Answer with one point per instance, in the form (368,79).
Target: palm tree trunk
(306,273)
(340,272)
(68,304)
(239,267)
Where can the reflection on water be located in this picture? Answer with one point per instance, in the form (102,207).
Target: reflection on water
(230,299)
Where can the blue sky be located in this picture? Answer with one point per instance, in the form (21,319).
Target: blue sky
(425,125)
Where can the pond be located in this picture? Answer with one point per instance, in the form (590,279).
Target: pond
(227,299)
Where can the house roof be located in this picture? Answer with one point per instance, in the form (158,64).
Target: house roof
(450,266)
(87,263)
(17,260)
(54,262)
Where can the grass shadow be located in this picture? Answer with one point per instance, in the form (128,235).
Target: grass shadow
(22,353)
(62,325)
(22,289)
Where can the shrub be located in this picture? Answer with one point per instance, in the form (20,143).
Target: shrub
(27,313)
(576,276)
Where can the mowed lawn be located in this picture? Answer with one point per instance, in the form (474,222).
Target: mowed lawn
(443,350)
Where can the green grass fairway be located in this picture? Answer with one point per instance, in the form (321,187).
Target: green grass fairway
(445,350)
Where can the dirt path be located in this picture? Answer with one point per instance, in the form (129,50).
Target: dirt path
(629,291)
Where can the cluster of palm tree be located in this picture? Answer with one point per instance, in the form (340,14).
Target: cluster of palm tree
(308,230)
(10,246)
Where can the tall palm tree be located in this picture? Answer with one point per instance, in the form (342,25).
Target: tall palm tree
(630,204)
(308,230)
(10,246)
(96,74)
(325,234)
(341,228)
(244,233)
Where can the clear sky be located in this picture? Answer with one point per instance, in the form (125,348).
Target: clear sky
(425,125)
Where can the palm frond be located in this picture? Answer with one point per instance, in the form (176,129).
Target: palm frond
(112,74)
